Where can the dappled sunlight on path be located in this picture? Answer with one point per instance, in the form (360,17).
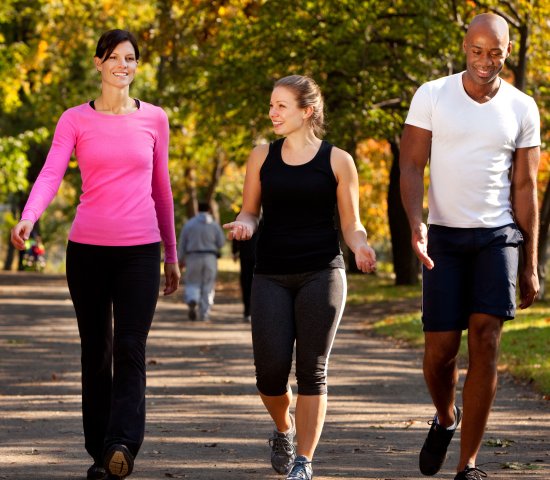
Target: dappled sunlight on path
(205,420)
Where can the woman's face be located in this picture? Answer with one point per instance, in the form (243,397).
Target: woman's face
(119,68)
(284,111)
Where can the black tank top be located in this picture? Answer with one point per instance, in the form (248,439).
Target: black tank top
(297,233)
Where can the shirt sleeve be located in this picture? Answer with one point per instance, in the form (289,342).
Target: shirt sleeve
(530,127)
(420,111)
(162,190)
(47,183)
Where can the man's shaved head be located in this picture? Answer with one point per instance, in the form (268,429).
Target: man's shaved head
(489,23)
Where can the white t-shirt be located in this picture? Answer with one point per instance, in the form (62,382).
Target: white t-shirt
(472,148)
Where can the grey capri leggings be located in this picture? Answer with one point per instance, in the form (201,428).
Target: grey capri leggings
(305,308)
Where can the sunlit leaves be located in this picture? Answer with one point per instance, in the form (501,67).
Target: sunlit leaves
(13,159)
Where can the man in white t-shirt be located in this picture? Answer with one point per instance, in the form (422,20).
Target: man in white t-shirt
(482,138)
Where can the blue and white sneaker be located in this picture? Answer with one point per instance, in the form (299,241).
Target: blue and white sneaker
(301,469)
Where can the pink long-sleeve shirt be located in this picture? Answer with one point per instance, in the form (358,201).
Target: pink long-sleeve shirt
(123,159)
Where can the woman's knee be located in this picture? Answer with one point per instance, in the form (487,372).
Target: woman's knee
(312,376)
(272,379)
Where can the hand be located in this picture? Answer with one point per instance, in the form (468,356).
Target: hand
(365,258)
(528,288)
(239,230)
(20,233)
(171,277)
(420,245)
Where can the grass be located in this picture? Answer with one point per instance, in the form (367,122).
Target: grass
(525,342)
(377,288)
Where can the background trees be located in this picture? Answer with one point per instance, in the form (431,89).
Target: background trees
(211,65)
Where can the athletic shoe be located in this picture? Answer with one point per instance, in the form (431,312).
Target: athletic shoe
(283,451)
(192,310)
(301,470)
(119,462)
(434,450)
(471,473)
(96,472)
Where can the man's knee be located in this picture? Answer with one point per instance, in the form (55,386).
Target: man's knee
(441,348)
(484,334)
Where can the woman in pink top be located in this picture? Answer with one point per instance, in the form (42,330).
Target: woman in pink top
(113,253)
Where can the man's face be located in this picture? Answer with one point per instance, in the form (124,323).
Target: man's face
(486,52)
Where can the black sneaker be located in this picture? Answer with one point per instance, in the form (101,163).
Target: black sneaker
(96,472)
(471,473)
(434,450)
(118,461)
(192,310)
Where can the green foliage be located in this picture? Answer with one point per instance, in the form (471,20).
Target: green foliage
(212,64)
(14,162)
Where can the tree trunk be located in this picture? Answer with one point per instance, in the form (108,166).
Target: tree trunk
(10,255)
(192,204)
(405,264)
(543,239)
(220,163)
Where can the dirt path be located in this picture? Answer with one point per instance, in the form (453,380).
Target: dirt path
(204,418)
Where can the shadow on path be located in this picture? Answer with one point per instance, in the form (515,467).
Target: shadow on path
(205,420)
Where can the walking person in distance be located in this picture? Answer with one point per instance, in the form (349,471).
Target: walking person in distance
(200,241)
(245,252)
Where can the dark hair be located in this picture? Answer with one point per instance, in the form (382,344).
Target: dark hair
(308,94)
(204,207)
(110,39)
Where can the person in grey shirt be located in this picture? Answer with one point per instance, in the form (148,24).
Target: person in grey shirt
(200,241)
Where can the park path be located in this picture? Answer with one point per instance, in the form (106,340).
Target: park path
(204,418)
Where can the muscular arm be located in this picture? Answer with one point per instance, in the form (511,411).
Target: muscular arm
(415,152)
(526,214)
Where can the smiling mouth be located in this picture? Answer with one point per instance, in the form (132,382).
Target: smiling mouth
(484,73)
(120,74)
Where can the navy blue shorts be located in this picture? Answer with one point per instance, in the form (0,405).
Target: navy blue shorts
(475,272)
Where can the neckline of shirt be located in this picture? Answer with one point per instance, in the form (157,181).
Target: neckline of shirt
(470,99)
(139,105)
(301,164)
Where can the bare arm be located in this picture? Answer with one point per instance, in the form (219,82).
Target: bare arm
(526,214)
(415,151)
(246,222)
(347,193)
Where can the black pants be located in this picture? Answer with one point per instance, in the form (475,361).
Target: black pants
(119,282)
(301,308)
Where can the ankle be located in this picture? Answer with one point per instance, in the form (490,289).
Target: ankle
(449,422)
(289,426)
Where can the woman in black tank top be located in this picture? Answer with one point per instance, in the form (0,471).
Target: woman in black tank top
(299,285)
